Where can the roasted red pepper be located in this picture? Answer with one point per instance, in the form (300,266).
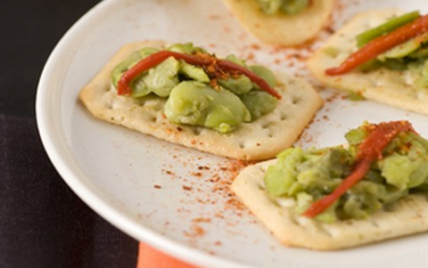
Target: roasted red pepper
(228,65)
(381,44)
(369,151)
(123,86)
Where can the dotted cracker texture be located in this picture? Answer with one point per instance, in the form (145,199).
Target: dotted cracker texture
(261,139)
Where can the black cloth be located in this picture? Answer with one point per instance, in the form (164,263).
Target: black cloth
(42,222)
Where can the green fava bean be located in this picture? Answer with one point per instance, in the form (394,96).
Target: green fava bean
(139,88)
(264,73)
(236,60)
(187,48)
(163,78)
(288,7)
(292,7)
(406,48)
(312,174)
(269,7)
(259,103)
(422,52)
(194,72)
(196,103)
(124,66)
(239,85)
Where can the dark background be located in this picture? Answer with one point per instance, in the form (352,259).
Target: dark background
(42,222)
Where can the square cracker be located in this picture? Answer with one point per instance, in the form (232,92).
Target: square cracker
(260,139)
(390,87)
(407,216)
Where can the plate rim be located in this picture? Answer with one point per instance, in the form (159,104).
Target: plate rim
(49,134)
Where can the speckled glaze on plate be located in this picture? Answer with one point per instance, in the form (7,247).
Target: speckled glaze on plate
(174,198)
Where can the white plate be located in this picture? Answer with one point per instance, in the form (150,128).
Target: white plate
(174,198)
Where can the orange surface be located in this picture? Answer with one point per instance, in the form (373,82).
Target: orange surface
(149,257)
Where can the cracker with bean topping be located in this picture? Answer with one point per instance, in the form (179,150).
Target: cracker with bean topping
(256,140)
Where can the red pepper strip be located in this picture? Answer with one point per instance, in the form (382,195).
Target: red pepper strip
(369,151)
(148,62)
(153,60)
(230,66)
(381,44)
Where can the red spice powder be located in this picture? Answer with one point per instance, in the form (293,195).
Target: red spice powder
(187,188)
(196,231)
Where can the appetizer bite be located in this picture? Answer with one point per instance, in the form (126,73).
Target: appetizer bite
(282,22)
(381,56)
(373,189)
(182,94)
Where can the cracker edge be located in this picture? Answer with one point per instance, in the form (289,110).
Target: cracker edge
(405,217)
(275,30)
